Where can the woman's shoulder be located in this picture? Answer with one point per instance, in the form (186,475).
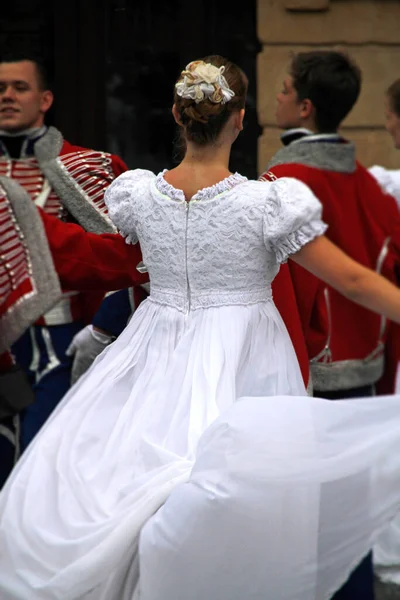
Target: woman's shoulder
(136,176)
(125,196)
(282,188)
(128,186)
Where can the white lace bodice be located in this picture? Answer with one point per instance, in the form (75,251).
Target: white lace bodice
(224,246)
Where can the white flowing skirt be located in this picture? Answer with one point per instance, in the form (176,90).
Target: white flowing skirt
(387,548)
(286,496)
(127,434)
(124,436)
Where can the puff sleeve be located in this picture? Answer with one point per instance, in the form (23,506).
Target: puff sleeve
(389,180)
(122,198)
(292,217)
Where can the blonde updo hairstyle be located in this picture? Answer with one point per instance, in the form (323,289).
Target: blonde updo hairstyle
(202,121)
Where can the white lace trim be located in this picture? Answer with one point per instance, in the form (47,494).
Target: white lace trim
(207,193)
(209,298)
(296,240)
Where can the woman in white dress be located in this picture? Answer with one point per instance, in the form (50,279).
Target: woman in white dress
(207,340)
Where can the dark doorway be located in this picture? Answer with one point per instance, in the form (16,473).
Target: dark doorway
(114,63)
(147,45)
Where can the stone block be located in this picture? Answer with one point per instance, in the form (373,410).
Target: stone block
(379,65)
(268,143)
(346,21)
(374,147)
(272,64)
(306,5)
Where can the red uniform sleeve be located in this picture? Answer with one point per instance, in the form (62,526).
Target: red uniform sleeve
(87,261)
(118,166)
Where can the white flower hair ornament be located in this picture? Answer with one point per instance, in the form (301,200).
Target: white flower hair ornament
(204,81)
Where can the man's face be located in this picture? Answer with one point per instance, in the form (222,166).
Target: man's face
(22,103)
(392,124)
(288,109)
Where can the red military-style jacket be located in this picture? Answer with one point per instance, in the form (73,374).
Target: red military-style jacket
(284,296)
(346,343)
(49,255)
(68,182)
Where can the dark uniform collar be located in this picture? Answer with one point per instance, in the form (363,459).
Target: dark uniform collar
(326,151)
(301,134)
(21,144)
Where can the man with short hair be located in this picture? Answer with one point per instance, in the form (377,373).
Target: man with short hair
(68,182)
(345,343)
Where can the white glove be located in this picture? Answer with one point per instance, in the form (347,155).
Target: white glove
(85,347)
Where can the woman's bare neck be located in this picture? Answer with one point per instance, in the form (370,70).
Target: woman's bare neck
(202,167)
(192,178)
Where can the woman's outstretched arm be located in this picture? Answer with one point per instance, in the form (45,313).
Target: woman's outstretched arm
(358,283)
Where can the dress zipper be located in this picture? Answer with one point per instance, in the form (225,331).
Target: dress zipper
(186,258)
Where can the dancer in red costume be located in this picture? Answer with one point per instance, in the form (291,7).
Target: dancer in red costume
(32,280)
(68,182)
(345,343)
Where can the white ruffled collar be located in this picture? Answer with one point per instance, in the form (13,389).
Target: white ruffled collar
(207,193)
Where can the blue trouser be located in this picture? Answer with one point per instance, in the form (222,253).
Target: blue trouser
(360,584)
(41,353)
